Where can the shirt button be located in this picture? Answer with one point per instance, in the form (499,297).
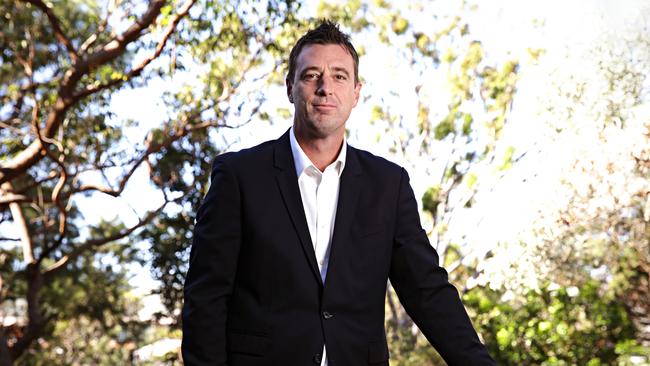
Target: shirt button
(318,358)
(327,315)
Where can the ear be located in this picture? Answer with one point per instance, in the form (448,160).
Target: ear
(289,85)
(357,93)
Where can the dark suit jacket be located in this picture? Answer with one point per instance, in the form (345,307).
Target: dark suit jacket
(253,293)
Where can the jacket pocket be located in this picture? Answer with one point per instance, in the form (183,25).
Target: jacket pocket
(249,344)
(378,352)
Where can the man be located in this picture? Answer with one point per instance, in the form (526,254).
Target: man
(297,238)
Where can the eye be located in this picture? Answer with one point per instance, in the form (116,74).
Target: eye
(341,77)
(311,76)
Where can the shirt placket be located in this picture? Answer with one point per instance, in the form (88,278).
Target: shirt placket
(321,224)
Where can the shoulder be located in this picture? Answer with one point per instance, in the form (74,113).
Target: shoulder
(376,165)
(249,158)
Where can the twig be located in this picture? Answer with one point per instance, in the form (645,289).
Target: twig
(138,69)
(93,243)
(37,183)
(56,197)
(100,28)
(56,27)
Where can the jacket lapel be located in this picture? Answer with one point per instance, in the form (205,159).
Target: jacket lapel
(349,190)
(288,184)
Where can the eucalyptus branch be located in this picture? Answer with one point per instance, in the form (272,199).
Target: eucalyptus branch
(18,131)
(56,197)
(52,270)
(100,28)
(33,153)
(56,27)
(22,61)
(150,149)
(23,228)
(15,113)
(92,89)
(37,183)
(8,198)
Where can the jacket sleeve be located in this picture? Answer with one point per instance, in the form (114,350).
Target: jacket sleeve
(423,288)
(212,268)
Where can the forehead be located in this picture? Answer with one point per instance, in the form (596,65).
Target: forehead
(319,55)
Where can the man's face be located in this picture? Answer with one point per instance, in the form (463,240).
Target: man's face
(323,90)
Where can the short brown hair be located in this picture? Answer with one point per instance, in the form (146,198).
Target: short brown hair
(327,32)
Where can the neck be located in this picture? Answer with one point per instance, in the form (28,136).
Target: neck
(321,151)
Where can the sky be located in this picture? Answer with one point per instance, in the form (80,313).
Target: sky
(507,30)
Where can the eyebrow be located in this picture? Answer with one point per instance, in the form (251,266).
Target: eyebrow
(342,69)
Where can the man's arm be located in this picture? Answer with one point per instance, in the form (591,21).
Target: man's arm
(213,263)
(424,290)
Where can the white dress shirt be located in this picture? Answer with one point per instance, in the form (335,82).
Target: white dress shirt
(320,193)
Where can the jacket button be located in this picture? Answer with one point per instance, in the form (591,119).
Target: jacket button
(318,358)
(327,315)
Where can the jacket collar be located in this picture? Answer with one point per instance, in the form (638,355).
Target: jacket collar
(283,157)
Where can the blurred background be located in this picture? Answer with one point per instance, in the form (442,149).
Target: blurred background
(525,127)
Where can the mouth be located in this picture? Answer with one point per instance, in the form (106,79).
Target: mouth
(324,106)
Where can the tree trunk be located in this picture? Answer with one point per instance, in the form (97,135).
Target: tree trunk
(5,354)
(637,301)
(35,320)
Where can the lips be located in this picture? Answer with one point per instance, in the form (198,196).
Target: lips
(324,106)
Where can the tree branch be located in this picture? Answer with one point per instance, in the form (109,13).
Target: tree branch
(91,89)
(116,47)
(56,27)
(49,272)
(19,220)
(8,198)
(151,148)
(56,197)
(100,28)
(36,183)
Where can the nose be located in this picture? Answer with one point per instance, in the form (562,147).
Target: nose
(324,86)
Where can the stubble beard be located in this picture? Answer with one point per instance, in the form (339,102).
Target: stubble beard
(321,126)
(314,125)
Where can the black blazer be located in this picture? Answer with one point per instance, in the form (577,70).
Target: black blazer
(253,293)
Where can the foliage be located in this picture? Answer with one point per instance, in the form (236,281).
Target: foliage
(82,341)
(555,325)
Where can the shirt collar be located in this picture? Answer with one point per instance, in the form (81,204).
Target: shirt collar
(301,160)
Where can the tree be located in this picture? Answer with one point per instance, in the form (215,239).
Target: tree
(61,143)
(590,228)
(605,224)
